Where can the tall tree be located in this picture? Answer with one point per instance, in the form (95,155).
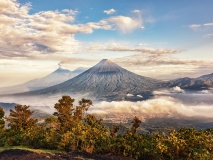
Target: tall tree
(20,118)
(2,122)
(80,110)
(68,115)
(64,114)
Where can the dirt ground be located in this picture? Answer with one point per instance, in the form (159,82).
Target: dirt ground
(17,154)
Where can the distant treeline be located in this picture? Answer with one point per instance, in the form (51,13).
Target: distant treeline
(71,129)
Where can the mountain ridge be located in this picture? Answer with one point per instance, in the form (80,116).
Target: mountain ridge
(58,76)
(105,80)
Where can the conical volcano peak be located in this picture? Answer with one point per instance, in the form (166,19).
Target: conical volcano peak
(106,65)
(59,70)
(105,61)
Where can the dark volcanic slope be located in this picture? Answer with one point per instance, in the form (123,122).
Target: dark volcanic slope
(102,80)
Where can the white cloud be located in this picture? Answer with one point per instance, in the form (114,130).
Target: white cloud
(195,26)
(129,95)
(110,11)
(48,31)
(204,92)
(157,107)
(208,24)
(125,24)
(103,24)
(136,11)
(140,96)
(119,47)
(42,32)
(177,89)
(209,35)
(199,26)
(161,64)
(143,44)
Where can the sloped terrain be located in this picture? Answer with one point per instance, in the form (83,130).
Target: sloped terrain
(104,80)
(58,76)
(203,82)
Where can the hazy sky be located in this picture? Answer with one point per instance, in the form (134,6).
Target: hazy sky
(162,39)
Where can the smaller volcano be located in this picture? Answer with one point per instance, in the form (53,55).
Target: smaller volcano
(58,76)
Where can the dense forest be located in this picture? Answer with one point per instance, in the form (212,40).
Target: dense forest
(72,129)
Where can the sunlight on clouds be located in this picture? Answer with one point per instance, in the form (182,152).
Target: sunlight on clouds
(23,34)
(126,24)
(49,31)
(157,107)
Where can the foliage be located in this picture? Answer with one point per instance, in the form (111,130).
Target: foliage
(2,123)
(20,118)
(72,129)
(2,126)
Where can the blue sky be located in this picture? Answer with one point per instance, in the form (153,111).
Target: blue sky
(160,39)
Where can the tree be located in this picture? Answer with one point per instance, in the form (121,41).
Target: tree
(2,122)
(84,105)
(136,123)
(64,114)
(2,127)
(20,118)
(68,115)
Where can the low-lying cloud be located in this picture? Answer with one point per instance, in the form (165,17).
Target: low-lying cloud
(175,105)
(153,108)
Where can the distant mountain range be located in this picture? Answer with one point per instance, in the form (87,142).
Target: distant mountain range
(7,106)
(106,81)
(58,76)
(203,82)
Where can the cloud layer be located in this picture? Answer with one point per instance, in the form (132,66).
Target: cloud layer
(154,108)
(173,104)
(24,34)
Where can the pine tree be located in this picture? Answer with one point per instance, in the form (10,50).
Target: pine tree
(20,118)
(69,116)
(64,114)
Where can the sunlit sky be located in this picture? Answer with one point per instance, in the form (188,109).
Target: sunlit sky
(161,39)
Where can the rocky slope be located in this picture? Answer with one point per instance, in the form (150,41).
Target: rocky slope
(106,80)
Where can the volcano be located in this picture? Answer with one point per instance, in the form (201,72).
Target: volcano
(58,76)
(106,81)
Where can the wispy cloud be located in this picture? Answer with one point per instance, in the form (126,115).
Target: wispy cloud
(136,11)
(199,26)
(194,26)
(209,35)
(119,47)
(110,11)
(164,66)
